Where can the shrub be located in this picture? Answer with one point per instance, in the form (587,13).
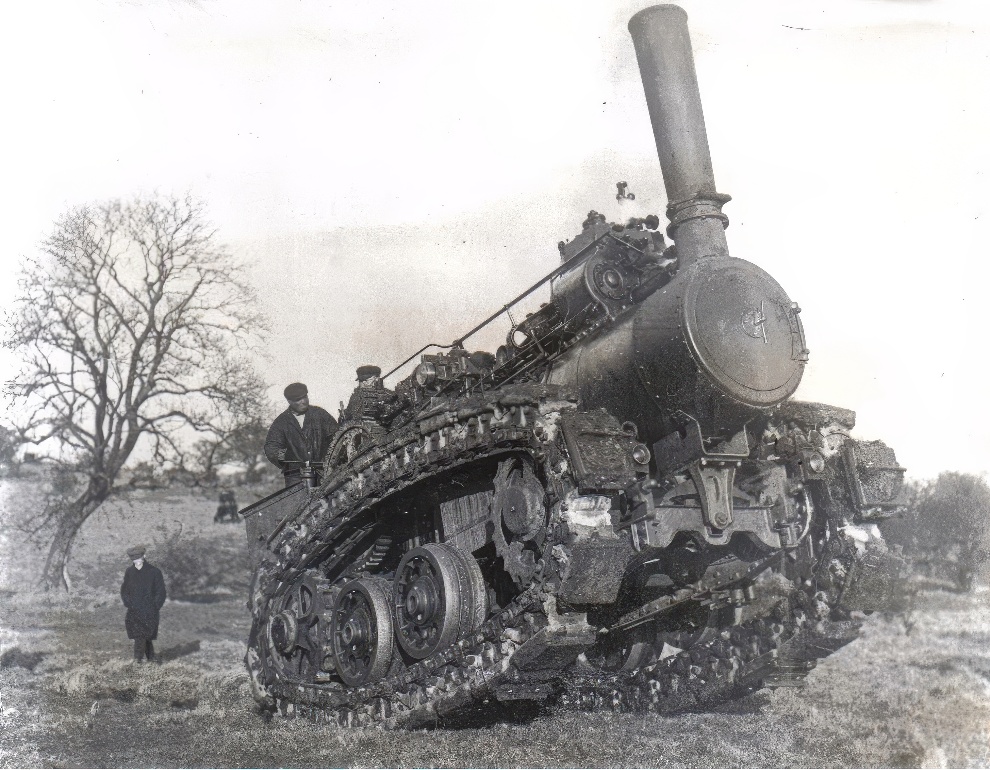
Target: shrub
(946,530)
(200,569)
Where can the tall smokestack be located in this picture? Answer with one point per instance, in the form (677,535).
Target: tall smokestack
(666,64)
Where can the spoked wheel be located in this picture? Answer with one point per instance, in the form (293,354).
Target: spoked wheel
(347,444)
(297,630)
(362,631)
(439,594)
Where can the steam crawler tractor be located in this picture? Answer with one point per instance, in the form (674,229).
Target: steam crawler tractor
(621,508)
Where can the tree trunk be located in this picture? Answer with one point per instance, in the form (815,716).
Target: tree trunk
(70,521)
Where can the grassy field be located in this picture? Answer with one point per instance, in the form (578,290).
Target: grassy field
(913,692)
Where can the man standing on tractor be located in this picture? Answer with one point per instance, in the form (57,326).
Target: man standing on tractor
(299,437)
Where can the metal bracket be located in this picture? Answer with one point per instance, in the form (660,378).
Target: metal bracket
(714,483)
(685,445)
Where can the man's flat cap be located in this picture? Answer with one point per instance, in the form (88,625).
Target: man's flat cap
(136,552)
(295,391)
(364,372)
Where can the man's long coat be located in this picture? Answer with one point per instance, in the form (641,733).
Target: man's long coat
(287,442)
(143,593)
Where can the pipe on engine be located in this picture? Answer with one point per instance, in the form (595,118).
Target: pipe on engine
(666,65)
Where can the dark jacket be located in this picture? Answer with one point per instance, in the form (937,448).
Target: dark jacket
(286,441)
(378,404)
(143,593)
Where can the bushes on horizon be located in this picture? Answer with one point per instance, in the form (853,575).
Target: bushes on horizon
(946,529)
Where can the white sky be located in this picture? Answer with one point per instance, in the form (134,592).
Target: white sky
(393,172)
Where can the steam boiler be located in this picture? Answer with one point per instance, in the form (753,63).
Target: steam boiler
(622,507)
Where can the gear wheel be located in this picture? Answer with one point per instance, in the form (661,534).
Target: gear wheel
(518,519)
(348,443)
(289,642)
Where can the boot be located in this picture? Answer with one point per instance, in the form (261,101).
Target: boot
(150,652)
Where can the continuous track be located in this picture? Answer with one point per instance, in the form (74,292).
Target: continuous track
(333,536)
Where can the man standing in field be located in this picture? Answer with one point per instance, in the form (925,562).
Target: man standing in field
(143,592)
(300,434)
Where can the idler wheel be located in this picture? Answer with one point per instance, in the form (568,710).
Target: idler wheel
(296,629)
(362,631)
(436,599)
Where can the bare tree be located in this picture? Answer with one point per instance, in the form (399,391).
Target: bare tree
(134,328)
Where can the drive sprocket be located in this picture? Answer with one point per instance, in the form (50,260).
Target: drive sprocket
(518,519)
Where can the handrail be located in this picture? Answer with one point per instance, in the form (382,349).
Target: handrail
(558,271)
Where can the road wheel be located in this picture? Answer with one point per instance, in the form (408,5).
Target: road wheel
(433,599)
(361,638)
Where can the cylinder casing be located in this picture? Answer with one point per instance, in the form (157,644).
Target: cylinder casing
(722,341)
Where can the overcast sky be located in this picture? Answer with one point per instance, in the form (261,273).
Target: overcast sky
(393,172)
